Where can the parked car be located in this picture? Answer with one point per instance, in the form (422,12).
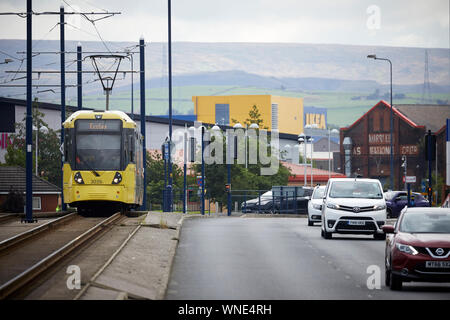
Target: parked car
(353,206)
(397,200)
(286,199)
(292,199)
(418,247)
(256,204)
(315,205)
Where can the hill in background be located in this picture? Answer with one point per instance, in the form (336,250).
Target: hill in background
(337,77)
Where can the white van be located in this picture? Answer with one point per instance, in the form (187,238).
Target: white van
(353,206)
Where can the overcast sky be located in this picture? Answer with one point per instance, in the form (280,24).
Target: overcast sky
(412,23)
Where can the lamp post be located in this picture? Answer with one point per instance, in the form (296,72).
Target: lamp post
(302,138)
(373,56)
(334,131)
(44,129)
(311,140)
(347,144)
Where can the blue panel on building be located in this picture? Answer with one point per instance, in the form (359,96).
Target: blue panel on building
(223,114)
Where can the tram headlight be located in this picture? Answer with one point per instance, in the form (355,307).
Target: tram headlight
(117,178)
(78,179)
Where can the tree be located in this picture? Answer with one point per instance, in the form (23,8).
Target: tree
(155,177)
(49,157)
(254,116)
(242,178)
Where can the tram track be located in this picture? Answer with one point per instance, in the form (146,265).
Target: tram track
(23,260)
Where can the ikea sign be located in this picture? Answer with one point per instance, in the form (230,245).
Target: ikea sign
(313,115)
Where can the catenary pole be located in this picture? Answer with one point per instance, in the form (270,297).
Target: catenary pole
(29,119)
(142,92)
(63,94)
(170,103)
(79,78)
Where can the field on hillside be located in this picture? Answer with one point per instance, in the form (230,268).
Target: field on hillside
(343,107)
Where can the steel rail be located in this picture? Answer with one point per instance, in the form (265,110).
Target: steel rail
(15,284)
(100,271)
(7,243)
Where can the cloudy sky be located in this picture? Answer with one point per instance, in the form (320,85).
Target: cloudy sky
(412,23)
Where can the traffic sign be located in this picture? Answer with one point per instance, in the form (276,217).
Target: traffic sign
(409,179)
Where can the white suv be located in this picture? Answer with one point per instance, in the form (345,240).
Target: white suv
(353,206)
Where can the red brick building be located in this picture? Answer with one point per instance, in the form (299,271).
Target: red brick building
(370,139)
(45,194)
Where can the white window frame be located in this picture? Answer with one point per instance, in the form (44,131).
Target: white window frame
(39,200)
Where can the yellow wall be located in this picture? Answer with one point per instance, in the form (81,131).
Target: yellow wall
(290,114)
(290,110)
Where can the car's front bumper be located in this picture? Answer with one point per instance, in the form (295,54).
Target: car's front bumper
(314,215)
(413,268)
(369,222)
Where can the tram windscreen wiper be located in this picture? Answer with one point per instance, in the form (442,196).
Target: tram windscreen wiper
(79,160)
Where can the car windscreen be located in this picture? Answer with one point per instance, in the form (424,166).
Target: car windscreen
(425,223)
(318,193)
(356,189)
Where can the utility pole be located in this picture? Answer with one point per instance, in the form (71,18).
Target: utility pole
(170,104)
(63,94)
(29,119)
(79,77)
(142,91)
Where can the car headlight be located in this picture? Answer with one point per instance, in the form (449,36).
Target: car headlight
(317,206)
(78,179)
(117,178)
(379,207)
(406,249)
(333,206)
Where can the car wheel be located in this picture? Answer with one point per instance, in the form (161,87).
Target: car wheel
(396,282)
(378,236)
(327,235)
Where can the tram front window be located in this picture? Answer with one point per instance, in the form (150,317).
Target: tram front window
(98,152)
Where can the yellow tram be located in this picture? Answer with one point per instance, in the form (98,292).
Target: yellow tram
(103,163)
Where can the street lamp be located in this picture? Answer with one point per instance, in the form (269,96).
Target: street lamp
(7,60)
(45,130)
(334,131)
(311,140)
(302,138)
(347,144)
(373,56)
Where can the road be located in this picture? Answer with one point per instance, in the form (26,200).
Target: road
(280,258)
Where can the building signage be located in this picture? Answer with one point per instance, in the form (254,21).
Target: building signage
(379,150)
(409,150)
(318,116)
(379,138)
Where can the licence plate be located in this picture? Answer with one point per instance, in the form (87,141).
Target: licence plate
(438,264)
(356,223)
